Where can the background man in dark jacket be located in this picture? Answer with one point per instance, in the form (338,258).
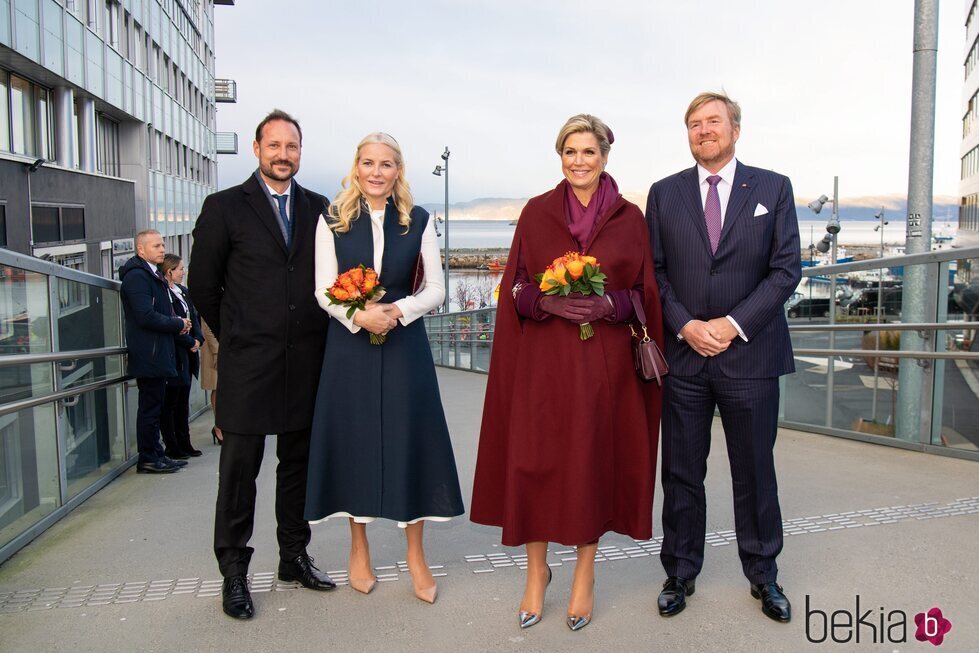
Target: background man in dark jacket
(150,328)
(252,281)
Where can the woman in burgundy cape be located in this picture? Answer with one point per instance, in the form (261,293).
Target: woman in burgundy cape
(567,449)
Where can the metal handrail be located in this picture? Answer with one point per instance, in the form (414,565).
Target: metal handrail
(81,354)
(887,326)
(902,260)
(16,406)
(32,264)
(890,353)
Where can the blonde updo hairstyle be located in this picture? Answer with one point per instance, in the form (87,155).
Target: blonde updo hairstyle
(584,122)
(350,202)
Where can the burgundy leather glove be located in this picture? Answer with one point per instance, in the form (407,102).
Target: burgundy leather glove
(576,308)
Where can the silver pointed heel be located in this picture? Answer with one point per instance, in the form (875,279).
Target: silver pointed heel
(527,619)
(577,623)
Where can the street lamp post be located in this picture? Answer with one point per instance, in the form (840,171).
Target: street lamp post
(880,300)
(829,242)
(439,169)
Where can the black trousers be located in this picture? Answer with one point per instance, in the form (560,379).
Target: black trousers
(148,410)
(234,516)
(749,413)
(175,420)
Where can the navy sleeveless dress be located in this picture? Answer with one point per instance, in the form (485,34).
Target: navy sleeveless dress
(379,445)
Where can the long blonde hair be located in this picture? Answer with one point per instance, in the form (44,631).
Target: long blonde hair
(350,201)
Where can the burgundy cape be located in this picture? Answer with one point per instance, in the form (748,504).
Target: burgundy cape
(567,449)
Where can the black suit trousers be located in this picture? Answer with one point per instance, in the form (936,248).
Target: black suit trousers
(234,518)
(148,410)
(749,414)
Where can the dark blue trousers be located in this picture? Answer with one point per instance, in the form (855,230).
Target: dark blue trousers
(148,411)
(749,413)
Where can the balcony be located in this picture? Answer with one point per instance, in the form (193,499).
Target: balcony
(225,90)
(226,142)
(230,3)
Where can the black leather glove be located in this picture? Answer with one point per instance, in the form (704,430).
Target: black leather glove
(576,308)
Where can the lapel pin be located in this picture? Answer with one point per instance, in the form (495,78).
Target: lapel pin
(744,185)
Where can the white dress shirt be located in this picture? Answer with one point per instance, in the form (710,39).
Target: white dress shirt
(430,296)
(724,186)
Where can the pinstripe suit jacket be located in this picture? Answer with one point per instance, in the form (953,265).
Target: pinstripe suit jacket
(754,271)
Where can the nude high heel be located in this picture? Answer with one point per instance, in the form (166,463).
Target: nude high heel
(363,585)
(427,594)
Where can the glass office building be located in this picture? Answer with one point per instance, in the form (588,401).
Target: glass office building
(968,231)
(117,97)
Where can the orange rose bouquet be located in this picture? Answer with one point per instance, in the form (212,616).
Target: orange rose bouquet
(354,289)
(573,272)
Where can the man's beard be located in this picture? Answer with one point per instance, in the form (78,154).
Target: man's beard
(269,171)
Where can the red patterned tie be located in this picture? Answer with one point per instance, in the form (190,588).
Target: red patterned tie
(712,213)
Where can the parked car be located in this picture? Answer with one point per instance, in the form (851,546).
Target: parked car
(808,307)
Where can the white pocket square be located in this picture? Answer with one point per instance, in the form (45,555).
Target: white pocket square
(760,210)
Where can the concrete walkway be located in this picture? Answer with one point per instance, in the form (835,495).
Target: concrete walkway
(132,569)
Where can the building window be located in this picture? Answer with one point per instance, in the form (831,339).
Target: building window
(108,146)
(112,23)
(3,225)
(22,116)
(4,115)
(56,224)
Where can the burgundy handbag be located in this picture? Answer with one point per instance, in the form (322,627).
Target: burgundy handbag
(646,355)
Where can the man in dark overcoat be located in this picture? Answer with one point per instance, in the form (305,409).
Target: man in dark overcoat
(725,240)
(150,328)
(252,281)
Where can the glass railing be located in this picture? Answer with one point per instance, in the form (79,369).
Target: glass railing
(862,371)
(63,409)
(462,340)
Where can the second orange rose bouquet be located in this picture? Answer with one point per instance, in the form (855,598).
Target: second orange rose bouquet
(573,272)
(354,289)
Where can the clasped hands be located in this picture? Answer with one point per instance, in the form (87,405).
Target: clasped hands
(378,318)
(709,338)
(579,309)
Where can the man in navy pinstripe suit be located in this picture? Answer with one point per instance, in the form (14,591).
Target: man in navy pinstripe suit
(726,245)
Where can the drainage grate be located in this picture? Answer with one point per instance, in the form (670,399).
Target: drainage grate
(78,596)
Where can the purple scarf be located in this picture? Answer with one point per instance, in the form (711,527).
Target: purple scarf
(582,219)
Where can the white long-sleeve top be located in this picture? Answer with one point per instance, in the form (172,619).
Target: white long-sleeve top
(430,296)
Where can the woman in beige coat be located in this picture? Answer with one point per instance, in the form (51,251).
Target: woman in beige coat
(209,372)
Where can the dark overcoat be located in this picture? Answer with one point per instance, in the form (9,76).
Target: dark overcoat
(257,296)
(567,449)
(150,322)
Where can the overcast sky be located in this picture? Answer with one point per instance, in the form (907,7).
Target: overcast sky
(825,87)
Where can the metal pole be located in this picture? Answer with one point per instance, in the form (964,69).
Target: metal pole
(830,367)
(918,237)
(880,299)
(445,157)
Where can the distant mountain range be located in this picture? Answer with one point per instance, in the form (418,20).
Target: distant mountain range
(945,207)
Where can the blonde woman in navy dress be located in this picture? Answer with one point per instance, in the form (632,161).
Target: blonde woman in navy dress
(380,447)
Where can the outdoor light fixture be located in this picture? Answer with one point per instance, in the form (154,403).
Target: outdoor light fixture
(824,245)
(817,204)
(37,164)
(439,169)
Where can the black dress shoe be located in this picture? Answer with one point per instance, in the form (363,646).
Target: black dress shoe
(155,467)
(774,603)
(673,598)
(235,598)
(173,463)
(176,455)
(301,570)
(193,453)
